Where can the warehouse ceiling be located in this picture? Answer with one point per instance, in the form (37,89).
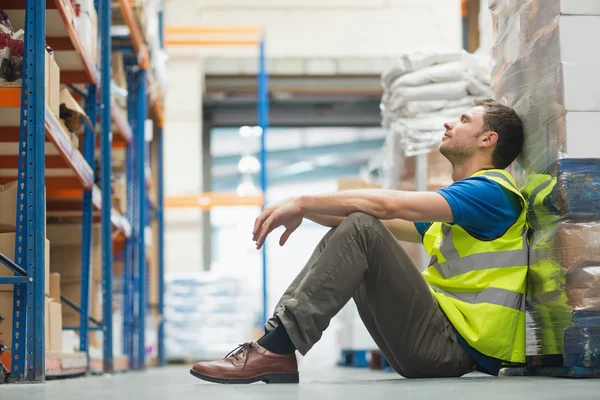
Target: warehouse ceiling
(321,127)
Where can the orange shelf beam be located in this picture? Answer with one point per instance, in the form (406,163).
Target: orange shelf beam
(139,44)
(206,42)
(206,201)
(10,97)
(91,71)
(227,30)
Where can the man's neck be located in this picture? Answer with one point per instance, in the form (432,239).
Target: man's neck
(468,168)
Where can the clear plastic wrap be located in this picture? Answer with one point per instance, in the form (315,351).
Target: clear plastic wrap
(543,69)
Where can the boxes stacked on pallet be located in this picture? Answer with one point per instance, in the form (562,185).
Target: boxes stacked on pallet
(422,91)
(546,72)
(206,315)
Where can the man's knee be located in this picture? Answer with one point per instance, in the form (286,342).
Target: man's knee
(361,219)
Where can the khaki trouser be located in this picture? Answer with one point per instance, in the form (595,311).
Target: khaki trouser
(360,259)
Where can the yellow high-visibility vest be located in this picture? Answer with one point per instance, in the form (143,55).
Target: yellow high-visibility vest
(480,284)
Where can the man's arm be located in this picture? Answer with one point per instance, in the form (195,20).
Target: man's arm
(380,203)
(402,230)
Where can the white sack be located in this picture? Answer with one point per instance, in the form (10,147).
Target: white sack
(447,72)
(435,91)
(418,60)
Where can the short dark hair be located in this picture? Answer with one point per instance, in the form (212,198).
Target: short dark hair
(506,123)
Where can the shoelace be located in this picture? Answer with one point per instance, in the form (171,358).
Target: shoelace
(244,348)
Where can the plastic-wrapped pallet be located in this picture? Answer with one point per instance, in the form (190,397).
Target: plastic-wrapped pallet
(422,91)
(543,70)
(205,314)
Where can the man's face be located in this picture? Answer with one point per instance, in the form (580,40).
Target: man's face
(461,137)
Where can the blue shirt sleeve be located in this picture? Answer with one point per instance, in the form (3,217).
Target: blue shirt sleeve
(482,207)
(422,227)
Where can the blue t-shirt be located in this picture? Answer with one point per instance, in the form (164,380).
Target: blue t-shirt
(486,210)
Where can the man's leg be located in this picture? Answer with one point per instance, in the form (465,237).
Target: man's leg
(363,260)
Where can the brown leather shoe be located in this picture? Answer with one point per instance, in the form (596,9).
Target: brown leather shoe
(249,363)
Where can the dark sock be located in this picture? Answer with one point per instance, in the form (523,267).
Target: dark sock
(278,341)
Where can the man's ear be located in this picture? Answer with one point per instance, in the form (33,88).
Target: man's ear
(488,139)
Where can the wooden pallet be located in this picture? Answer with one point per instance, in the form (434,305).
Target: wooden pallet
(120,364)
(65,365)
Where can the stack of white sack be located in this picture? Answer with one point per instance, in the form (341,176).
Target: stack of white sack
(206,314)
(421,92)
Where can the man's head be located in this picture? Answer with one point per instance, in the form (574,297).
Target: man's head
(489,131)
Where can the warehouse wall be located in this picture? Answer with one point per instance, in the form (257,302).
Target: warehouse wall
(329,28)
(303,37)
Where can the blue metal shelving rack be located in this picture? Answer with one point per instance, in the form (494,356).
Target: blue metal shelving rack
(28,352)
(263,122)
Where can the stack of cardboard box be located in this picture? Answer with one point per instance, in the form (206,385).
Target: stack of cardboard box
(52,79)
(65,258)
(545,70)
(8,210)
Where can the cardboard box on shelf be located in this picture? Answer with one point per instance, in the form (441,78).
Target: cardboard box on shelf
(55,286)
(8,207)
(72,291)
(119,76)
(54,329)
(6,312)
(72,114)
(66,261)
(120,195)
(52,80)
(356,183)
(7,247)
(66,251)
(70,234)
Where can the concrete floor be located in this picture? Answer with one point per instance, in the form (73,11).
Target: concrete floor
(332,383)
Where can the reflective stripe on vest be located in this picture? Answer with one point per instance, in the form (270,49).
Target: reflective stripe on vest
(500,176)
(500,297)
(532,216)
(457,265)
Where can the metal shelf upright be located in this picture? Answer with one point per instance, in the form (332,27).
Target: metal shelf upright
(28,347)
(136,271)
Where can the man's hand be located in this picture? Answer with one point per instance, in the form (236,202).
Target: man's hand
(287,213)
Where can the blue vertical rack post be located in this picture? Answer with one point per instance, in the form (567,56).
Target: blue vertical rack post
(140,145)
(105,164)
(263,121)
(131,248)
(137,109)
(28,350)
(87,224)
